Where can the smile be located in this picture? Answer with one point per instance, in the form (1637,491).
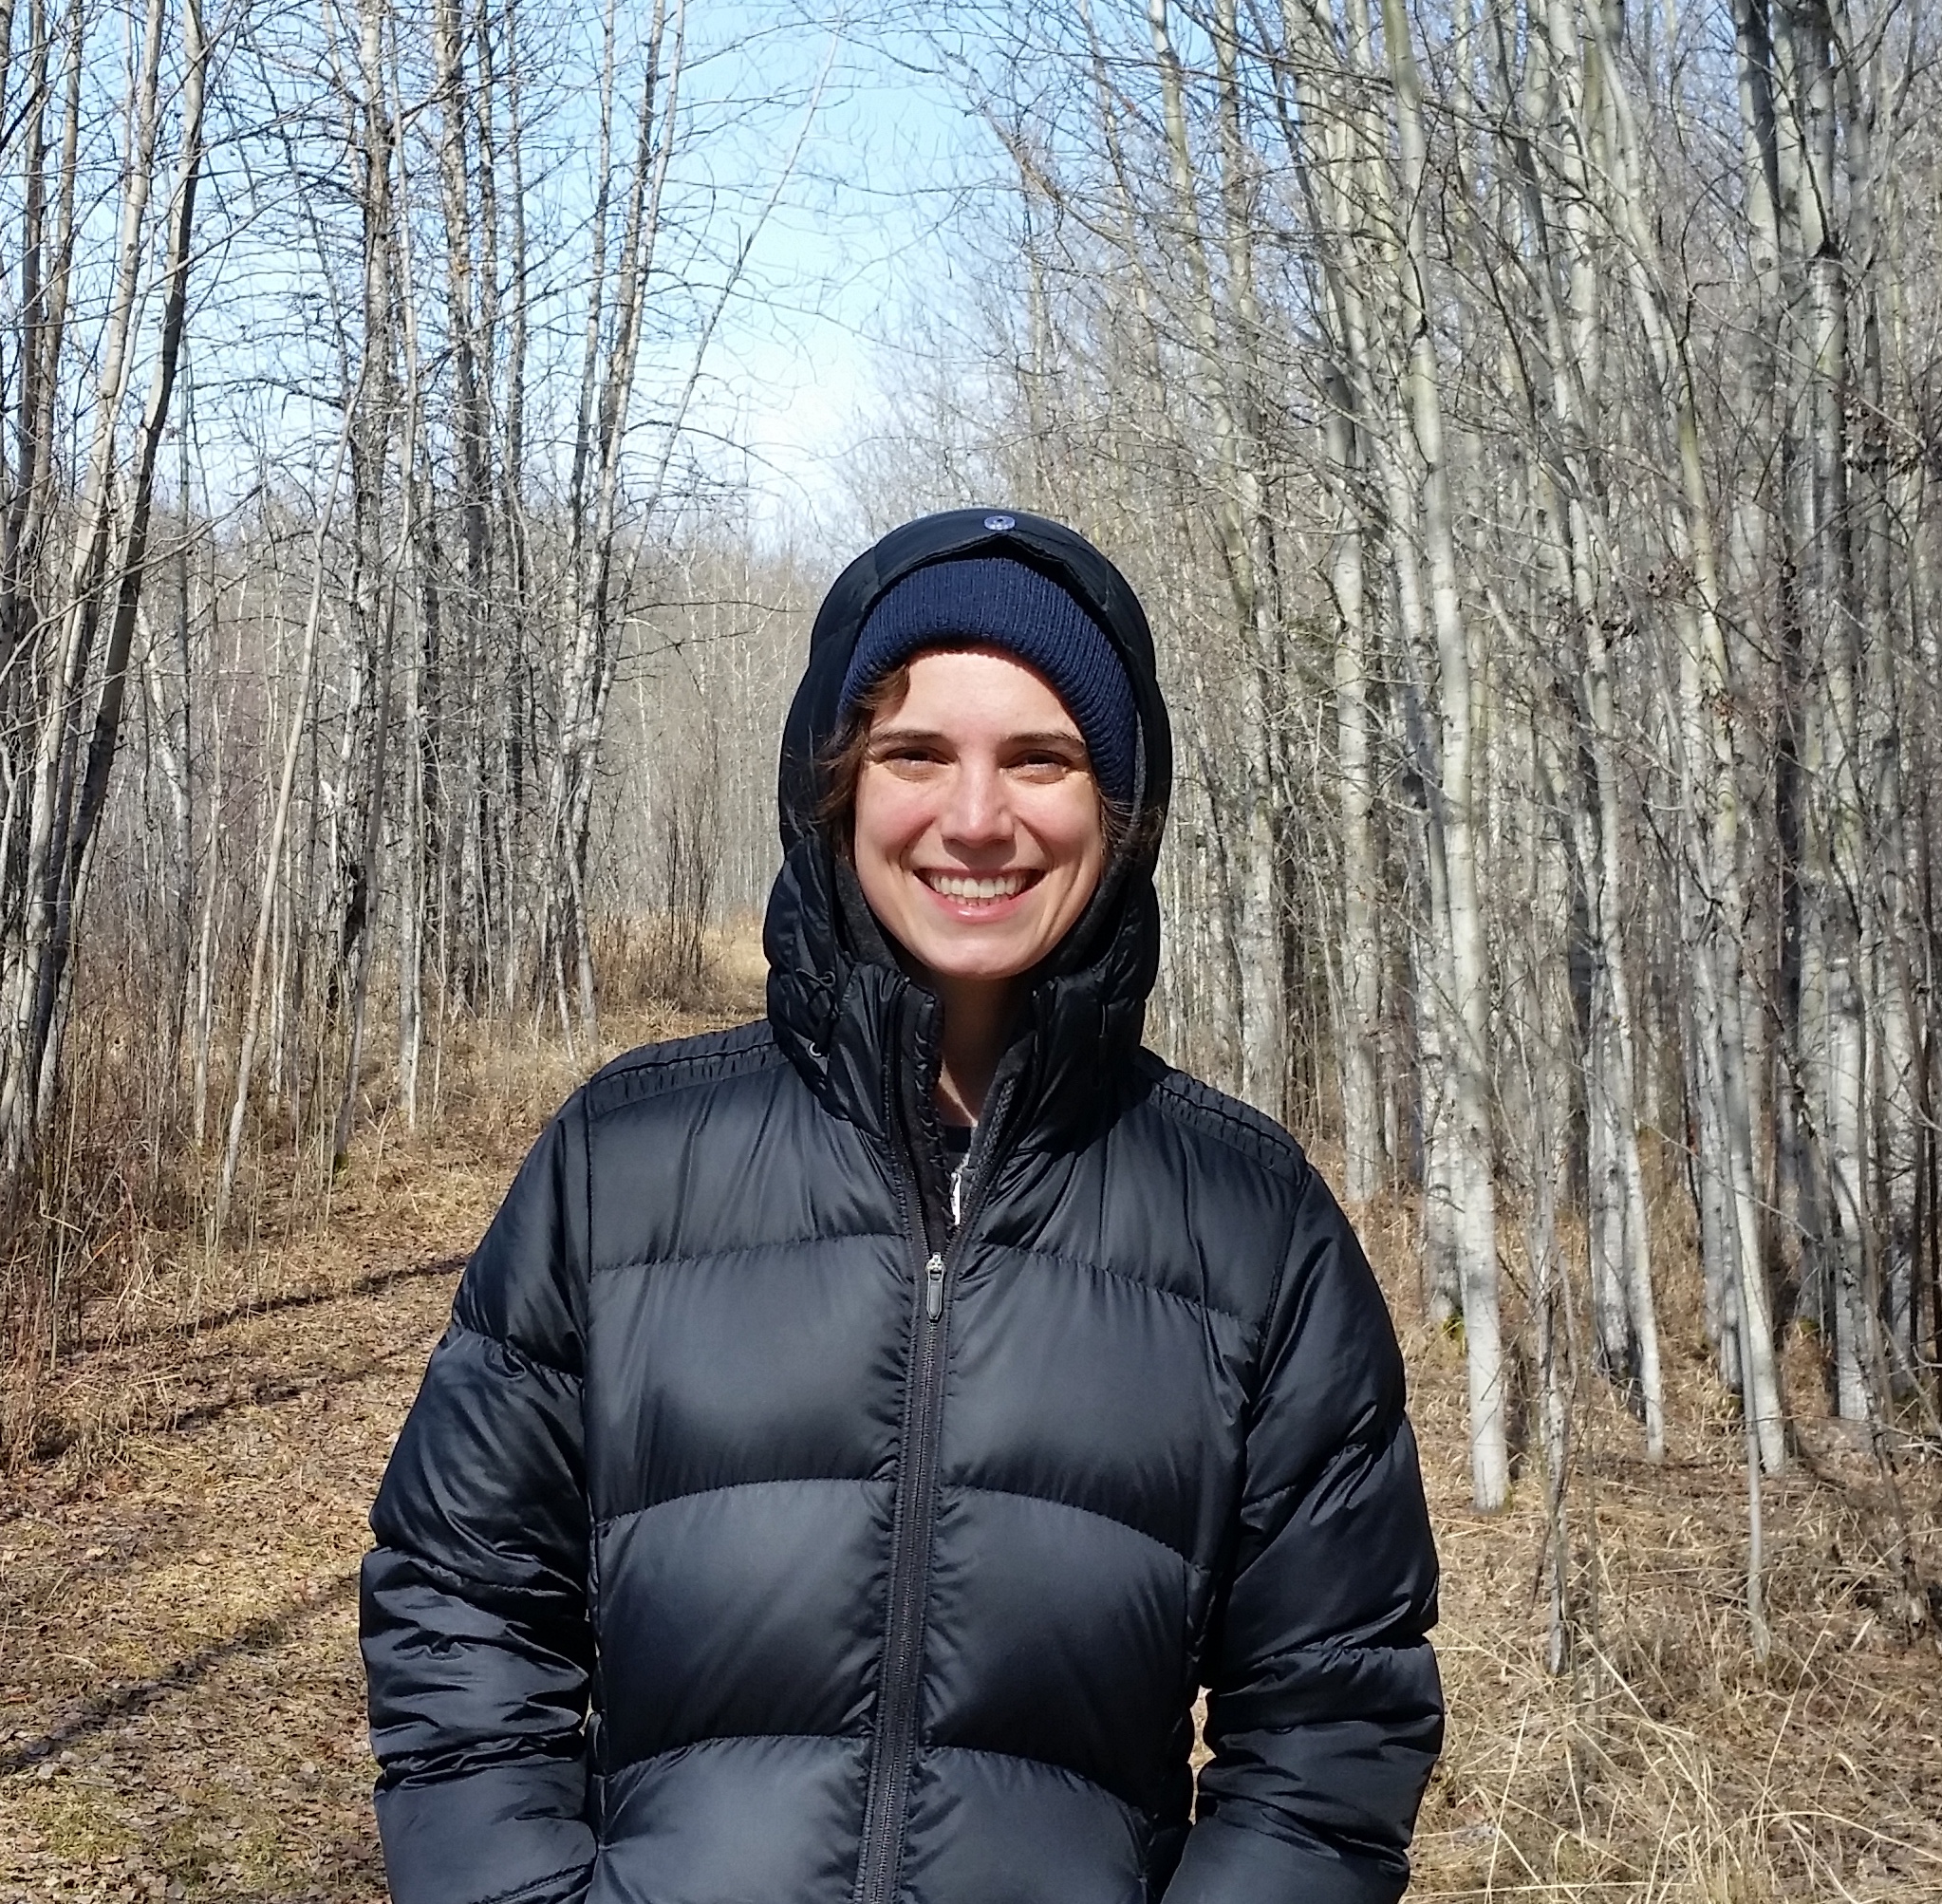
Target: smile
(987,886)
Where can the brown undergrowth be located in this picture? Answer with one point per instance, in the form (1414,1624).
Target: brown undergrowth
(180,1704)
(1667,1762)
(106,1252)
(180,1522)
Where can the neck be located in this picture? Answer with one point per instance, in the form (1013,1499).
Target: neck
(978,1014)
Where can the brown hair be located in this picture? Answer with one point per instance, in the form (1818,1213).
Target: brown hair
(844,760)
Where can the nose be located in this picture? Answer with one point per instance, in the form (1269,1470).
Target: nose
(977,816)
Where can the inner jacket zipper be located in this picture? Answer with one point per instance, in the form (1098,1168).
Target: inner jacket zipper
(910,1537)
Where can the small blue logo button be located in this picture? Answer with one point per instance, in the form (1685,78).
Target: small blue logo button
(1000,522)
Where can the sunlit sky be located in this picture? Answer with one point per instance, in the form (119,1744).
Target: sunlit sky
(832,152)
(858,237)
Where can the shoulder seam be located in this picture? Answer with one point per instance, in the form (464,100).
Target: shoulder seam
(709,1058)
(1233,1125)
(665,1051)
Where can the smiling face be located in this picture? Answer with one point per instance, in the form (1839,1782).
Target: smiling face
(979,835)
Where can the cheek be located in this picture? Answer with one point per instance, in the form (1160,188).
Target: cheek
(888,818)
(1080,830)
(1086,878)
(1075,837)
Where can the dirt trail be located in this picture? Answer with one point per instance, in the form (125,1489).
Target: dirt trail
(181,1702)
(183,1706)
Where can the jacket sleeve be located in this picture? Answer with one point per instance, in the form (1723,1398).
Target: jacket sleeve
(1325,1713)
(473,1619)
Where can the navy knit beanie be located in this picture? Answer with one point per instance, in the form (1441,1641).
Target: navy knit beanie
(990,599)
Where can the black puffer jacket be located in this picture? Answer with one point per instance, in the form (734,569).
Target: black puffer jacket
(756,1539)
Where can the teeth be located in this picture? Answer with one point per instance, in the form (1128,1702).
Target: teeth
(995,886)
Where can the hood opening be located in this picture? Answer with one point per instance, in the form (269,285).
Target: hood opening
(832,973)
(1061,554)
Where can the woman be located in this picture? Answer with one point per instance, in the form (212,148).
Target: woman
(861,1433)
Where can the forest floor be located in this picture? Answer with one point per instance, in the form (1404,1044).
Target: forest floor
(182,1703)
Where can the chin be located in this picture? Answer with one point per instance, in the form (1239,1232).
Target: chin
(978,972)
(988,965)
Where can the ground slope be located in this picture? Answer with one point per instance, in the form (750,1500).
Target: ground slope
(181,1706)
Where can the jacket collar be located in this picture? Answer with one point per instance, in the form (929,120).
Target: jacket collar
(865,1036)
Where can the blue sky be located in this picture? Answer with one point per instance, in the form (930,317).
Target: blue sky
(860,236)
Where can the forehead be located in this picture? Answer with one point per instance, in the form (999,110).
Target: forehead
(977,690)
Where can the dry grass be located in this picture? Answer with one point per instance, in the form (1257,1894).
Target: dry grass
(115,1227)
(1667,1762)
(180,1712)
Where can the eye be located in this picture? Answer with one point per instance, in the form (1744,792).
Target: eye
(1049,763)
(906,757)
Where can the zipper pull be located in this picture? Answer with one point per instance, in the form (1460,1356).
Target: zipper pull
(934,1287)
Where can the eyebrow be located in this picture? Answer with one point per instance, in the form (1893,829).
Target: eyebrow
(1050,737)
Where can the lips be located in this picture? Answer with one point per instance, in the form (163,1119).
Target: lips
(986,887)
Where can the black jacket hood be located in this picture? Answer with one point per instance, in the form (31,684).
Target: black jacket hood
(956,534)
(839,1001)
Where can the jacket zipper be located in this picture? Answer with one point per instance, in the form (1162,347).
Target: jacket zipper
(916,1514)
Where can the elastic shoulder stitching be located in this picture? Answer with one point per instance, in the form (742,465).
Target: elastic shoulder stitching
(1234,1124)
(679,1062)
